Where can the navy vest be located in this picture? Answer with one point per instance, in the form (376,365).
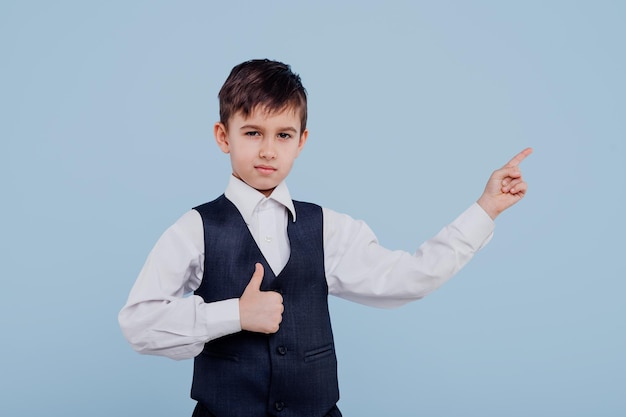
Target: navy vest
(292,372)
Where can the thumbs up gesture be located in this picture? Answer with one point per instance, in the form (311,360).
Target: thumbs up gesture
(260,311)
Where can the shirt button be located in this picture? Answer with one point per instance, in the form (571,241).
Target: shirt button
(279,406)
(268,239)
(281,350)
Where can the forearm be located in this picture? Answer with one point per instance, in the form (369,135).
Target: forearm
(365,272)
(444,255)
(177,328)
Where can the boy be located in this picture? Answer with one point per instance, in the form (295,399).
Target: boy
(261,265)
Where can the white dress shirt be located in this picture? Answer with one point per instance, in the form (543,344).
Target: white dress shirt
(162,318)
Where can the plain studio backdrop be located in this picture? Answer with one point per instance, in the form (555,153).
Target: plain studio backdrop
(106,114)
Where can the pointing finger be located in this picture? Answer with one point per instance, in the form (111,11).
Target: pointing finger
(517,159)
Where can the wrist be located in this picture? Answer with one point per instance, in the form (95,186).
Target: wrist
(491,211)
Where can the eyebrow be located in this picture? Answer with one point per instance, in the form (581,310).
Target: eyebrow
(281,129)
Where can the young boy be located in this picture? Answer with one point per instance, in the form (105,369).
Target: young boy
(261,265)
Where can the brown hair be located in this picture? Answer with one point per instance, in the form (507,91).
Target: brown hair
(262,84)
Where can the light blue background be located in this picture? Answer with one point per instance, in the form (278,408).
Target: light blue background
(106,114)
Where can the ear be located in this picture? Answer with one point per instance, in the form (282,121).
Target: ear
(303,137)
(221,137)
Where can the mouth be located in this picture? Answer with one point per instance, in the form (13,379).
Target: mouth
(265,169)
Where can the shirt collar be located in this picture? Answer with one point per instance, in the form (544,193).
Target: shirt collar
(246,198)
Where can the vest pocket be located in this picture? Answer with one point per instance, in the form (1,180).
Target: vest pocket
(220,354)
(319,353)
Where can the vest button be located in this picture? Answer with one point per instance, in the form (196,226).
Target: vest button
(281,350)
(279,405)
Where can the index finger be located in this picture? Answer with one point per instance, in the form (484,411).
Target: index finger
(517,159)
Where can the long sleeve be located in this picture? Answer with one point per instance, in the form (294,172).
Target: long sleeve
(160,316)
(360,270)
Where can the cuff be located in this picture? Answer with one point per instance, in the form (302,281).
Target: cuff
(476,226)
(222,318)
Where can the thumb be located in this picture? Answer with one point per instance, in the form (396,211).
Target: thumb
(257,278)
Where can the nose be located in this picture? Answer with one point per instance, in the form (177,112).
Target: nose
(268,151)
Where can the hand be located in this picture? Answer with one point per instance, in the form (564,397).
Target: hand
(260,311)
(505,186)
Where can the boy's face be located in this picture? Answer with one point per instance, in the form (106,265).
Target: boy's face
(262,147)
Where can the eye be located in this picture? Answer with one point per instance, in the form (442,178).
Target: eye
(253,133)
(284,136)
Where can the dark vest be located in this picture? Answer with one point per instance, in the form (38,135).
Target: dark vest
(292,372)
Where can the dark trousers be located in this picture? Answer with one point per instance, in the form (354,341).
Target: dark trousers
(201,411)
